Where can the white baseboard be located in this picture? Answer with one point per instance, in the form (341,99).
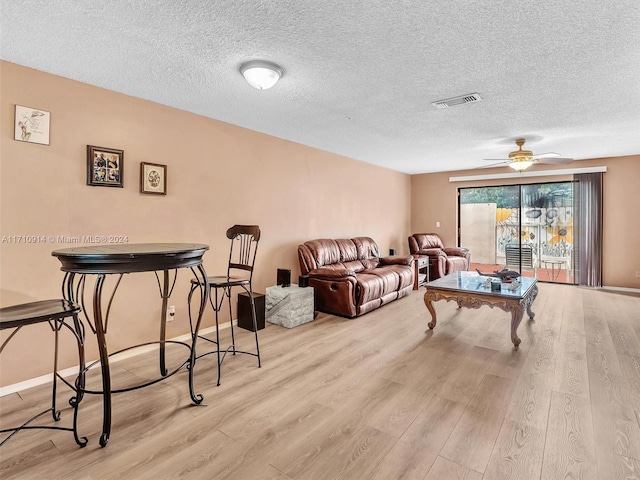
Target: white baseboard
(622,289)
(71,371)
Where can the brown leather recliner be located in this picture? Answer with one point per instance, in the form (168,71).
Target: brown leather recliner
(350,278)
(442,260)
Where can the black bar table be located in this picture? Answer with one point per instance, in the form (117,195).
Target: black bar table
(120,259)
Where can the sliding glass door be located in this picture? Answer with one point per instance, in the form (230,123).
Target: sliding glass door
(527,228)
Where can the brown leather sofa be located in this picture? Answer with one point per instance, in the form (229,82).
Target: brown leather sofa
(442,260)
(350,278)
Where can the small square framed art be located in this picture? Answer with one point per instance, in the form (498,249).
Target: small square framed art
(153,178)
(105,167)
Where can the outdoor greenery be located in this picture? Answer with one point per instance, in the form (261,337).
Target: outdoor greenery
(503,197)
(536,195)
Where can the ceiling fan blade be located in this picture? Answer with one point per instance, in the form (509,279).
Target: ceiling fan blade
(503,162)
(496,159)
(547,154)
(555,160)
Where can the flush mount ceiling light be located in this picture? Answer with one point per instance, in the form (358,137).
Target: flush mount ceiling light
(261,74)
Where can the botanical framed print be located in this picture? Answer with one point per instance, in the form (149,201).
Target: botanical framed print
(32,125)
(105,167)
(153,178)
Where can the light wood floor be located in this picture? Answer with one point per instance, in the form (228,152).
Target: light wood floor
(377,398)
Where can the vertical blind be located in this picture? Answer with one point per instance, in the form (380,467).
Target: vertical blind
(588,205)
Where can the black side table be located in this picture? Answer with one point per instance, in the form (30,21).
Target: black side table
(244,311)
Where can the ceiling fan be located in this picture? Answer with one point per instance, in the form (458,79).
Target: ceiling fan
(522,159)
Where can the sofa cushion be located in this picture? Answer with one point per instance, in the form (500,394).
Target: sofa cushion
(369,287)
(426,240)
(370,263)
(405,276)
(389,278)
(348,250)
(355,266)
(367,248)
(323,252)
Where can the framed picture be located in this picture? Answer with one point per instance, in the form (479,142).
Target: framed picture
(105,167)
(32,125)
(153,178)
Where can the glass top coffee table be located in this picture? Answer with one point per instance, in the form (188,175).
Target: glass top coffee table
(468,290)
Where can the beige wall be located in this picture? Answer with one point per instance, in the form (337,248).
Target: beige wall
(218,175)
(434,199)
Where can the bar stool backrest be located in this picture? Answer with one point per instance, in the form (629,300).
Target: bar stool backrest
(244,245)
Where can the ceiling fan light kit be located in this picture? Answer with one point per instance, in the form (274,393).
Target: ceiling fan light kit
(521,159)
(520,165)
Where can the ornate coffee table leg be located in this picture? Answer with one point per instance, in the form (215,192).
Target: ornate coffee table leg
(429,304)
(517,312)
(529,301)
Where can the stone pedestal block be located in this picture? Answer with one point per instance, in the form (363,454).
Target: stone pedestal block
(289,306)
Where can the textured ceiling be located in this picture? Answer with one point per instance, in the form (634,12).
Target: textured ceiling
(360,76)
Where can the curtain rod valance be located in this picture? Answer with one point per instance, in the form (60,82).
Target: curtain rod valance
(540,173)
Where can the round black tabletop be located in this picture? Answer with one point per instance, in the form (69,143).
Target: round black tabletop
(130,257)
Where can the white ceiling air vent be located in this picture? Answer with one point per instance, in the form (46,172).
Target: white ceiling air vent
(452,102)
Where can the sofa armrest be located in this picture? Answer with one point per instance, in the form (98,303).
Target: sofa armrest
(413,246)
(456,251)
(408,260)
(432,252)
(331,273)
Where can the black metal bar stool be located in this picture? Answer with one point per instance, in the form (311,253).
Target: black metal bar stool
(242,256)
(55,312)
